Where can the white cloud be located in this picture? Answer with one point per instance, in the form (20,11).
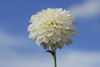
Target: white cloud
(7,39)
(89,8)
(68,59)
(81,59)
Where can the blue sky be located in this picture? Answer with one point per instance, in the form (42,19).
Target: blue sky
(17,48)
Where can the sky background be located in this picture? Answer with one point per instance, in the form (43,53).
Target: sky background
(17,50)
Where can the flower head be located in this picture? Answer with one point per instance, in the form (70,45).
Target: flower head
(52,28)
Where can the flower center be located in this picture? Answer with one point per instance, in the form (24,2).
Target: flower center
(53,23)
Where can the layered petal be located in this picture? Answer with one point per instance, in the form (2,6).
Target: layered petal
(52,28)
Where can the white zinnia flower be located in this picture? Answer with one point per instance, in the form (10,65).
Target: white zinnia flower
(52,28)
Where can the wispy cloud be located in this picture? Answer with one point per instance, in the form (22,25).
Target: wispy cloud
(89,8)
(7,39)
(69,59)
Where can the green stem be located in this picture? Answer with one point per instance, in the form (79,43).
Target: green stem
(54,56)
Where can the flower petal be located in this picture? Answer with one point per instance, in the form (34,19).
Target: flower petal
(52,40)
(60,44)
(39,40)
(57,31)
(63,38)
(46,39)
(48,33)
(33,35)
(74,33)
(54,47)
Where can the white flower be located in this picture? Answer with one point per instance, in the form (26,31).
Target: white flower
(52,28)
